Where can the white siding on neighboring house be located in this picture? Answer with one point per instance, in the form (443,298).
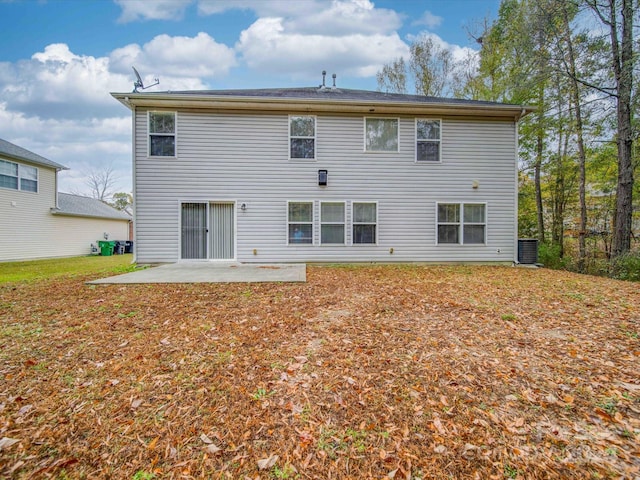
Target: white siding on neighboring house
(27,224)
(244,158)
(76,234)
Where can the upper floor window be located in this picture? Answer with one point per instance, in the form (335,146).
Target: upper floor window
(381,134)
(302,136)
(462,223)
(427,140)
(162,134)
(18,177)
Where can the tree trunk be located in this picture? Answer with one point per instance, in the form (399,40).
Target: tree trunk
(623,70)
(575,94)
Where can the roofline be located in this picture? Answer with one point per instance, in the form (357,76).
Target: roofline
(57,211)
(57,167)
(284,104)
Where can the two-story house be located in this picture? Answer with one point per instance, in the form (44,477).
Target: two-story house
(323,175)
(38,221)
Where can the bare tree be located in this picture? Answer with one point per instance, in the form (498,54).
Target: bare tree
(102,182)
(431,67)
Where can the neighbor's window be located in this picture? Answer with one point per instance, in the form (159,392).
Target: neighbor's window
(300,222)
(332,222)
(18,177)
(302,136)
(162,134)
(462,223)
(427,140)
(381,134)
(364,222)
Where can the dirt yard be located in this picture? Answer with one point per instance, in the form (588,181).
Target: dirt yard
(362,372)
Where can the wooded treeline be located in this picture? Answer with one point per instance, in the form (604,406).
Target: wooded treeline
(576,61)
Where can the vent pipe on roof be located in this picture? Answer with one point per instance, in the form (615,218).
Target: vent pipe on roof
(324,74)
(334,81)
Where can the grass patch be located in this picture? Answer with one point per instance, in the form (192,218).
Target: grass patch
(35,270)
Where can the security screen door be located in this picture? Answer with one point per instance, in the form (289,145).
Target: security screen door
(207,240)
(221,238)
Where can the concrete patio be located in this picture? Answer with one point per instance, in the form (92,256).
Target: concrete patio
(211,272)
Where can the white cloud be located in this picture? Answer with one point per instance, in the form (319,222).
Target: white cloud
(263,8)
(267,46)
(58,83)
(197,57)
(315,17)
(429,20)
(152,9)
(82,146)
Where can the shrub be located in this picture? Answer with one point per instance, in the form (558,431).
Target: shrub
(626,267)
(549,256)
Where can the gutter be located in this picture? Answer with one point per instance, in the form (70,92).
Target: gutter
(274,104)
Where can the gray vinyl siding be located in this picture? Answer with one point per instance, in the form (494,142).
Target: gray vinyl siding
(244,158)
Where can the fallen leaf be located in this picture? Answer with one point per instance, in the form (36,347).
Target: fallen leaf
(6,442)
(212,449)
(267,463)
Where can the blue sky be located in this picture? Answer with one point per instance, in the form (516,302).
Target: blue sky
(59,59)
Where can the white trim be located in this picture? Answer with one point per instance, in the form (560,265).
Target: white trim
(175,134)
(134,184)
(315,139)
(287,223)
(416,140)
(461,223)
(377,223)
(516,193)
(343,223)
(364,135)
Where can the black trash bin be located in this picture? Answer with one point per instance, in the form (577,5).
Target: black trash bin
(128,246)
(119,247)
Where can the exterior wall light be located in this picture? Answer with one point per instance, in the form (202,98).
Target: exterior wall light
(322,177)
(243,207)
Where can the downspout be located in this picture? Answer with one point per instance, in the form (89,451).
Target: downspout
(133,183)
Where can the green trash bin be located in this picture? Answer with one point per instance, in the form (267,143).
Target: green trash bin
(106,247)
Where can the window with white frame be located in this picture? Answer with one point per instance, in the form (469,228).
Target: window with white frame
(428,139)
(302,136)
(365,222)
(332,220)
(381,134)
(300,222)
(162,134)
(17,176)
(462,223)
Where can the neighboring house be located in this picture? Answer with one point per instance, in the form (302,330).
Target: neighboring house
(323,175)
(37,221)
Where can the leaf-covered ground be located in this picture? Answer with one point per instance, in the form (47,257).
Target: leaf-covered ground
(362,372)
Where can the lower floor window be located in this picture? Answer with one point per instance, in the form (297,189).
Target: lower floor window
(365,221)
(462,223)
(332,222)
(300,222)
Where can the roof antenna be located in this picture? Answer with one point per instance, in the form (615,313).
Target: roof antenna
(138,84)
(334,81)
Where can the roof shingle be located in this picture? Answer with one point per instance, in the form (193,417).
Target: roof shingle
(76,205)
(13,151)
